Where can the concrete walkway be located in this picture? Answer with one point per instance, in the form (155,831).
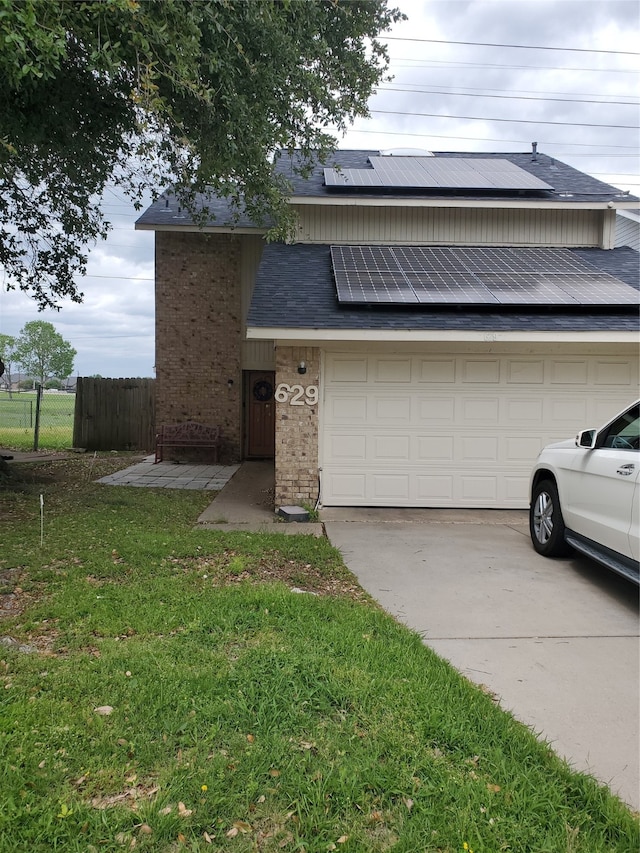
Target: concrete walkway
(244,502)
(555,640)
(172,475)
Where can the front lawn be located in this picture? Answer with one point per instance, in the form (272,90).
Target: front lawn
(168,689)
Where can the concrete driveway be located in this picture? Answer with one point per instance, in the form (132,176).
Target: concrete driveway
(555,640)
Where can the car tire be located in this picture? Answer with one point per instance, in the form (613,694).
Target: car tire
(546,524)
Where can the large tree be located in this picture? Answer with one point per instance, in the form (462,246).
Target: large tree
(43,353)
(193,93)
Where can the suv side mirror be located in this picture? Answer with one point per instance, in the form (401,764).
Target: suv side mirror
(586,438)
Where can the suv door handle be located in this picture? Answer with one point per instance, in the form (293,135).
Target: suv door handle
(625,470)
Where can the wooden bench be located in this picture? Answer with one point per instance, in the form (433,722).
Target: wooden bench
(189,434)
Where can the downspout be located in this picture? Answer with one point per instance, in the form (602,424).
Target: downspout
(608,238)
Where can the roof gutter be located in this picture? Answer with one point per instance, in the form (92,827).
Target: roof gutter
(305,337)
(205,229)
(509,204)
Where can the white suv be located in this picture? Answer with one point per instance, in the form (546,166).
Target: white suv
(585,494)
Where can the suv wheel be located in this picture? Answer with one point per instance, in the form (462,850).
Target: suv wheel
(546,524)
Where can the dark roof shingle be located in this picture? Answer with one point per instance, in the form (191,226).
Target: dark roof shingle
(570,186)
(295,290)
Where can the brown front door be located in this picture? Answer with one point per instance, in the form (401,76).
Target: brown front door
(260,411)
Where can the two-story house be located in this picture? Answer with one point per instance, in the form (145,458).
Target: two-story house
(437,320)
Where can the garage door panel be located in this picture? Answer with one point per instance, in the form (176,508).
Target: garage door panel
(391,409)
(347,368)
(480,370)
(435,410)
(525,411)
(348,446)
(432,448)
(390,487)
(567,410)
(478,489)
(392,370)
(612,372)
(525,372)
(347,488)
(479,410)
(514,487)
(477,448)
(437,371)
(434,490)
(522,448)
(569,372)
(348,409)
(463,431)
(395,447)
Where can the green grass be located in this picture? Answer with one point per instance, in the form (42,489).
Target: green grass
(244,717)
(17,420)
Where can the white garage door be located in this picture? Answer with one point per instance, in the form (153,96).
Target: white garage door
(451,430)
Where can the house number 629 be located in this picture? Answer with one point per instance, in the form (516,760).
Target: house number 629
(296,395)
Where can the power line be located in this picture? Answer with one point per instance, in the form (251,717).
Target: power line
(478,93)
(518,46)
(447,63)
(501,140)
(107,337)
(510,120)
(521,91)
(118,277)
(121,245)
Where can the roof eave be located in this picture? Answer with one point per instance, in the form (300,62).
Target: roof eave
(409,201)
(206,229)
(305,337)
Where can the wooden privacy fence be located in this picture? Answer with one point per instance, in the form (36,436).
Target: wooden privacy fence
(114,414)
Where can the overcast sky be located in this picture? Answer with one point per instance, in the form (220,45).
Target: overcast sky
(563,73)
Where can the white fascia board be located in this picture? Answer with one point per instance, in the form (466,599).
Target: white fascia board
(630,214)
(306,337)
(207,229)
(338,201)
(509,204)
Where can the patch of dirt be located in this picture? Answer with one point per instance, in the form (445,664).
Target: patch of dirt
(268,498)
(60,472)
(129,798)
(42,642)
(223,570)
(65,468)
(13,599)
(312,582)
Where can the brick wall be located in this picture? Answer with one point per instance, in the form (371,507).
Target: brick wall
(198,327)
(296,431)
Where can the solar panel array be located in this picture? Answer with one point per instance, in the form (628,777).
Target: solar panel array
(398,275)
(436,173)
